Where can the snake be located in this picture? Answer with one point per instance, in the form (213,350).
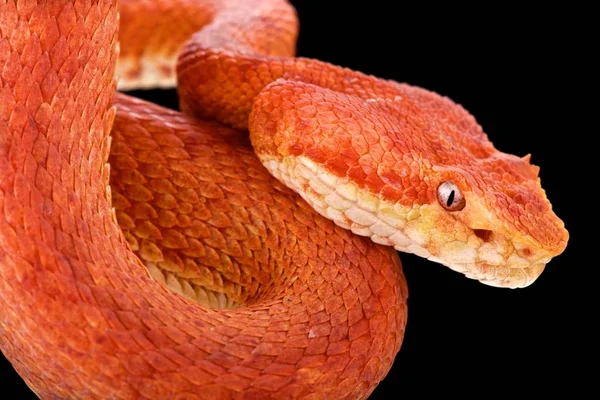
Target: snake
(245,247)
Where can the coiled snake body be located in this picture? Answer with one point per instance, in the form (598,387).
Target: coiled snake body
(276,300)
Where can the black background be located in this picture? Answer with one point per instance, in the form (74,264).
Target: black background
(508,68)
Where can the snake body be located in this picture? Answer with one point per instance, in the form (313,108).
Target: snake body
(276,300)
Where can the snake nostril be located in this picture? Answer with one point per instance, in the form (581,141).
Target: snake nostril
(483,234)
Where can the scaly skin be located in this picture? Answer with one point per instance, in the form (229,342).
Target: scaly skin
(324,311)
(319,313)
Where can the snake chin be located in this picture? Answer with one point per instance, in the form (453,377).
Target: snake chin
(498,275)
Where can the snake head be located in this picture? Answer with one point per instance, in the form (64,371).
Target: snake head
(486,211)
(493,220)
(411,169)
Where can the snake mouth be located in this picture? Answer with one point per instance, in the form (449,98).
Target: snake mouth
(499,276)
(494,258)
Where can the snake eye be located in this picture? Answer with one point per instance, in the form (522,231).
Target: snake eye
(450,196)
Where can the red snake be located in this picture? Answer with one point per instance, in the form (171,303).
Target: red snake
(291,304)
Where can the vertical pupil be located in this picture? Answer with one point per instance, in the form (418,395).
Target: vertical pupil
(450,199)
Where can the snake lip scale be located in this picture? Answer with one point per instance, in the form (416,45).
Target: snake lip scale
(246,246)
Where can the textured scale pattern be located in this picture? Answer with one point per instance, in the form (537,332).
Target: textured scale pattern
(81,315)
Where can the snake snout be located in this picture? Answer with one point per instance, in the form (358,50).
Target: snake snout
(507,261)
(494,256)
